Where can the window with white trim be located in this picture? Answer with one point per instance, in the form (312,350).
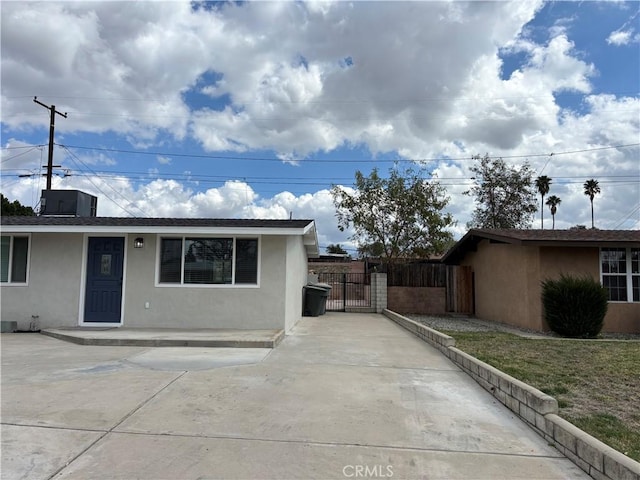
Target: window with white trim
(620,269)
(208,261)
(14,256)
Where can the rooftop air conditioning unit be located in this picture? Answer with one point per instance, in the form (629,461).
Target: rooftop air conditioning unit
(68,203)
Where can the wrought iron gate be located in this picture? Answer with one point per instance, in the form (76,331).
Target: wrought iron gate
(347,290)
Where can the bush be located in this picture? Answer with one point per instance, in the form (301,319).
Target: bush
(574,306)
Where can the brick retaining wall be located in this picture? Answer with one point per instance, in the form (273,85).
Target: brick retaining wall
(536,408)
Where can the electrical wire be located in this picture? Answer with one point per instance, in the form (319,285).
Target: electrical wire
(4,160)
(274,159)
(75,158)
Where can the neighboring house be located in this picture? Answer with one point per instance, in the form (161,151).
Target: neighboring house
(509,265)
(155,272)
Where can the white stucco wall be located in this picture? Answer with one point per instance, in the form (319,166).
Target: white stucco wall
(53,291)
(296,278)
(244,307)
(56,276)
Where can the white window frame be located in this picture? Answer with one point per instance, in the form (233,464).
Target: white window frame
(209,285)
(9,283)
(628,275)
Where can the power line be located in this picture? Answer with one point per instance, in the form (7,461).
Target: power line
(275,159)
(73,155)
(348,100)
(285,182)
(18,154)
(633,211)
(22,146)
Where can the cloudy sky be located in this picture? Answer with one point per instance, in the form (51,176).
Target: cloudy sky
(216,109)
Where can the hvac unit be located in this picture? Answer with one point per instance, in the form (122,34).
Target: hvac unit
(68,203)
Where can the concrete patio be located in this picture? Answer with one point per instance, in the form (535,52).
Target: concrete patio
(343,396)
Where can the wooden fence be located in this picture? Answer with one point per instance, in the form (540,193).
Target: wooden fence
(456,283)
(416,275)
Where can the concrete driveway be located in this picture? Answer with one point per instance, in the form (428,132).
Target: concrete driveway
(343,396)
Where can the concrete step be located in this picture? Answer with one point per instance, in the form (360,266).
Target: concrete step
(169,337)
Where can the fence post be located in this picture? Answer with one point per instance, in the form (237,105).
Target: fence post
(379,291)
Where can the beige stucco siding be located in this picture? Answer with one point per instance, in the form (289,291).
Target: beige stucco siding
(244,307)
(508,283)
(503,275)
(53,291)
(621,317)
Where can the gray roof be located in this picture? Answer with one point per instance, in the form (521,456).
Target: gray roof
(170,226)
(531,237)
(151,222)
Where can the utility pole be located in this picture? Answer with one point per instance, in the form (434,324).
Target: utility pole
(52,127)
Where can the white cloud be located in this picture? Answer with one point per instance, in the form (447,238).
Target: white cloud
(620,37)
(623,37)
(307,78)
(125,66)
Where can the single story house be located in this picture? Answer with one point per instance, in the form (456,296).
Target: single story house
(509,265)
(154,272)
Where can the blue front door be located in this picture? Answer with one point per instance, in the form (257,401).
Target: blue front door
(103,295)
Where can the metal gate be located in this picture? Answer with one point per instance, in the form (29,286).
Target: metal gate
(347,290)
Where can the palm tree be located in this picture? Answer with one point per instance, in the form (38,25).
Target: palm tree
(553,203)
(591,189)
(542,184)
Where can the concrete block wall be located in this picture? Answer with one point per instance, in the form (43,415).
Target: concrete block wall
(379,292)
(419,300)
(536,408)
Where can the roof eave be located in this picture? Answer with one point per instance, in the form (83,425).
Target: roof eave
(168,230)
(311,240)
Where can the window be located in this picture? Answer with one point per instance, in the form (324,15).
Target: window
(621,273)
(14,254)
(208,261)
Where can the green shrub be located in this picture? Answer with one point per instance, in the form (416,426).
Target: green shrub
(574,306)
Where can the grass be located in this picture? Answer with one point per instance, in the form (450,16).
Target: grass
(596,383)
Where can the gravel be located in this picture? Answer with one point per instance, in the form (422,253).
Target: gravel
(470,324)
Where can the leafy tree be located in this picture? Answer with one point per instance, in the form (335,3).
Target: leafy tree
(591,189)
(375,250)
(14,208)
(336,249)
(553,203)
(542,185)
(504,195)
(402,214)
(578,227)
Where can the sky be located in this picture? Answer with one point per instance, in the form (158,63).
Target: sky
(255,109)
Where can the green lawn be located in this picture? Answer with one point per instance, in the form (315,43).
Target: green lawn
(596,383)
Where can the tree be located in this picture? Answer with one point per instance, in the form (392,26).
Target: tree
(591,189)
(336,249)
(553,203)
(542,184)
(504,194)
(375,250)
(402,214)
(14,208)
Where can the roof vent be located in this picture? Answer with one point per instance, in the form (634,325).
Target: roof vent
(68,203)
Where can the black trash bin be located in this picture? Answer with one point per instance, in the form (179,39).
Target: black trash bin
(315,299)
(326,287)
